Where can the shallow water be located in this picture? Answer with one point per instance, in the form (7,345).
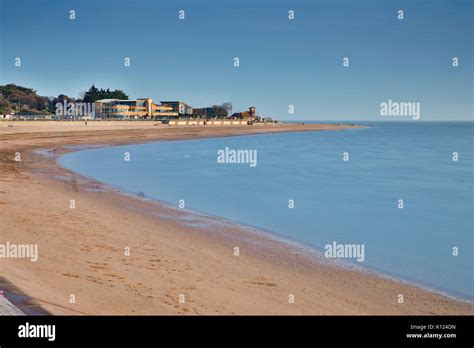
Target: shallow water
(353,201)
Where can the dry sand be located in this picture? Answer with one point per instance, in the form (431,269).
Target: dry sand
(81,250)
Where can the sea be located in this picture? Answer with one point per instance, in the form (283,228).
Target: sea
(402,190)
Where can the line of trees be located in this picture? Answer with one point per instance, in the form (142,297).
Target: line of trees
(94,94)
(20,99)
(13,96)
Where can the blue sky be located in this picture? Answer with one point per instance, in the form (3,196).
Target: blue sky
(282,62)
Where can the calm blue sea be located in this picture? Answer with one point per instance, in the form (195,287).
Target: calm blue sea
(354,202)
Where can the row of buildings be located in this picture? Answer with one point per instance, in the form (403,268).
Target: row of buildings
(141,108)
(145,108)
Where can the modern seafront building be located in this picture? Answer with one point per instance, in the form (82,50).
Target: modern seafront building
(142,108)
(181,108)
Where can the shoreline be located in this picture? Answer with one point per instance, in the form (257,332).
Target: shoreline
(309,250)
(270,270)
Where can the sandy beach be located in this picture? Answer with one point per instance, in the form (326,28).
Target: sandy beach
(81,250)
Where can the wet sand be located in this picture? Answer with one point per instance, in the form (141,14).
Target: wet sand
(82,250)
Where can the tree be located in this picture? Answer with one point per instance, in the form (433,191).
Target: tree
(219,111)
(94,94)
(91,95)
(228,107)
(119,94)
(5,106)
(15,97)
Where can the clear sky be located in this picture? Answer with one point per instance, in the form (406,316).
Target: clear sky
(282,61)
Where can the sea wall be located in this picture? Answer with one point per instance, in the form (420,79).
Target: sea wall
(214,122)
